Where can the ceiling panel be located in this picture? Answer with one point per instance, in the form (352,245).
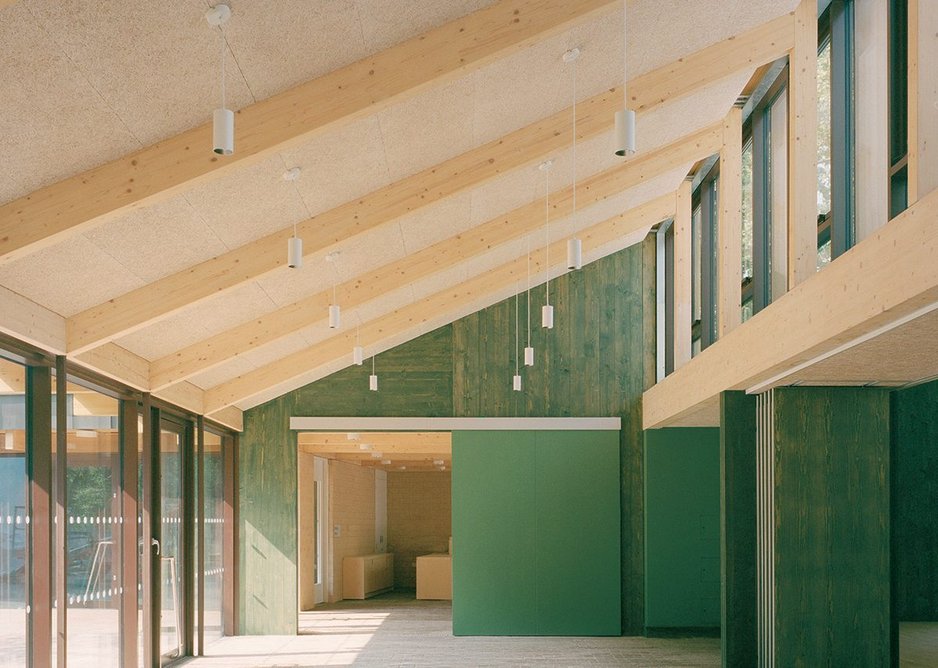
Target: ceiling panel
(249,203)
(68,277)
(281,43)
(340,165)
(53,122)
(387,22)
(156,64)
(154,241)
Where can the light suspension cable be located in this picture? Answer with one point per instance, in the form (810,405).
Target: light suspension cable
(574,245)
(528,350)
(547,311)
(625,119)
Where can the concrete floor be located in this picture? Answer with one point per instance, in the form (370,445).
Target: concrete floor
(396,630)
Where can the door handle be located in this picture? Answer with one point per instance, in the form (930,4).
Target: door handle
(155,543)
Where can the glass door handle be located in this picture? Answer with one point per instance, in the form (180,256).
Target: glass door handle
(155,543)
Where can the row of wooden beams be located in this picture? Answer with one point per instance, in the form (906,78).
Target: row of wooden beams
(886,278)
(802,146)
(286,119)
(377,439)
(217,349)
(36,325)
(730,225)
(136,309)
(366,457)
(439,306)
(385,452)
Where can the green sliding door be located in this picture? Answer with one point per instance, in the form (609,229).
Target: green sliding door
(536,547)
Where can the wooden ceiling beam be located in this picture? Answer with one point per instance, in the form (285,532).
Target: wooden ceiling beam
(134,310)
(286,119)
(444,305)
(216,350)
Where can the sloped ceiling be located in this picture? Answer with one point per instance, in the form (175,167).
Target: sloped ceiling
(88,81)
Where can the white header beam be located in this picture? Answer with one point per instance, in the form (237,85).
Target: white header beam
(453,424)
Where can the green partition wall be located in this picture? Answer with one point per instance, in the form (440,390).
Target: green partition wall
(536,546)
(682,529)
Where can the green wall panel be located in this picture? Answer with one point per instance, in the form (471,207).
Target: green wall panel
(535,533)
(682,528)
(577,533)
(595,362)
(739,638)
(915,503)
(493,534)
(832,592)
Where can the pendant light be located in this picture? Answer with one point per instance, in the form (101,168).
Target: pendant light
(222,118)
(373,378)
(574,245)
(547,311)
(625,118)
(528,350)
(335,315)
(516,380)
(294,243)
(358,353)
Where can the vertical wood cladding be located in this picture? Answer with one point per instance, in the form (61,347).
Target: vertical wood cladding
(832,526)
(915,503)
(738,527)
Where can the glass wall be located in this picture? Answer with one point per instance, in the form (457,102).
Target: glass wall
(71,561)
(93,583)
(213,509)
(13,515)
(172,558)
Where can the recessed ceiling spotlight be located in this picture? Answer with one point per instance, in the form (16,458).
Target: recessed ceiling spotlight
(438,462)
(385,461)
(364,446)
(377,455)
(352,436)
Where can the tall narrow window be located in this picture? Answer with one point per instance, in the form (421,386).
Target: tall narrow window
(214,514)
(747,238)
(13,487)
(697,278)
(824,154)
(93,508)
(898,106)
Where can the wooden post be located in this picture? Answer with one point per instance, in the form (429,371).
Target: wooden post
(738,528)
(802,147)
(729,225)
(40,573)
(683,281)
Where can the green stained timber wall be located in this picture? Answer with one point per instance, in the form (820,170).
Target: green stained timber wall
(915,503)
(682,528)
(416,380)
(593,363)
(536,533)
(832,593)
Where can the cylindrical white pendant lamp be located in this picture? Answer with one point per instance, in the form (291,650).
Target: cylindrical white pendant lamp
(516,383)
(334,316)
(574,253)
(547,316)
(529,356)
(294,252)
(358,355)
(625,132)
